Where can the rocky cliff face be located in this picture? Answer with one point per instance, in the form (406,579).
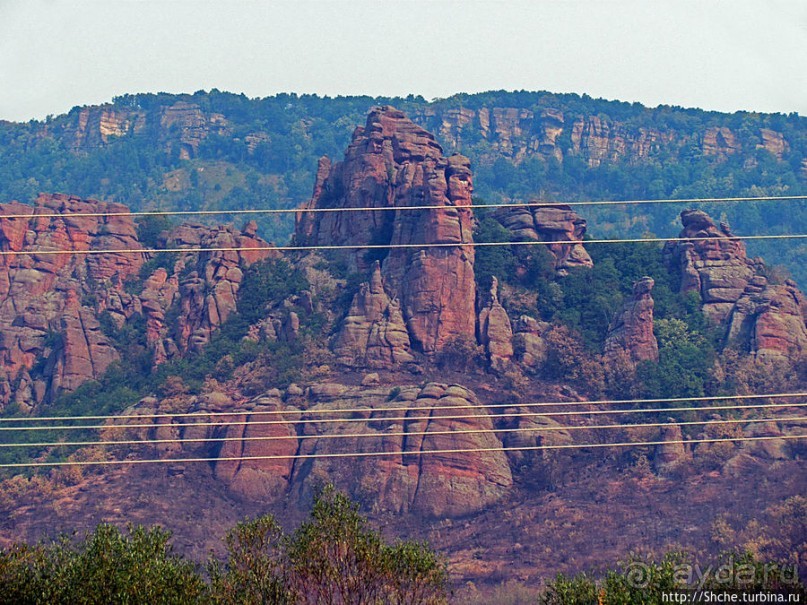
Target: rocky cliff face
(180,127)
(96,126)
(559,225)
(716,267)
(50,338)
(208,282)
(631,330)
(391,162)
(763,319)
(192,126)
(769,320)
(520,133)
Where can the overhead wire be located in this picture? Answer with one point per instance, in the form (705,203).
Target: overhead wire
(531,204)
(577,446)
(6,429)
(359,410)
(311,248)
(384,434)
(407,246)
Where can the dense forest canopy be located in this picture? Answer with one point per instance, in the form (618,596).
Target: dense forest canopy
(217,150)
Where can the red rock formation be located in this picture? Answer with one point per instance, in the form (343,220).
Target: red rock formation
(182,126)
(716,267)
(211,280)
(774,142)
(495,331)
(373,333)
(765,320)
(769,320)
(391,162)
(529,344)
(407,479)
(556,224)
(720,141)
(439,485)
(48,302)
(193,126)
(671,455)
(518,133)
(262,478)
(631,330)
(95,126)
(552,123)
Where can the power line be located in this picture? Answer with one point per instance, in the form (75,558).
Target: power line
(536,204)
(409,408)
(384,434)
(579,446)
(638,240)
(401,418)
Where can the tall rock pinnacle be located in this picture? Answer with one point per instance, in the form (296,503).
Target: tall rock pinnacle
(392,162)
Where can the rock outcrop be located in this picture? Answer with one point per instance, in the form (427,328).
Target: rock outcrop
(773,142)
(672,454)
(180,127)
(50,338)
(56,286)
(408,479)
(393,163)
(97,126)
(715,266)
(765,320)
(720,141)
(210,281)
(373,333)
(529,345)
(769,320)
(192,125)
(557,224)
(495,330)
(631,330)
(520,133)
(403,424)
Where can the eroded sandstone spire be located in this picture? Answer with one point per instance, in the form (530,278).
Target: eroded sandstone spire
(393,163)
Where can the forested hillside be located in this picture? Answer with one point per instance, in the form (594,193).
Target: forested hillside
(214,150)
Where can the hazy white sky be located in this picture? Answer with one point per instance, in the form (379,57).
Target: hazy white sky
(715,54)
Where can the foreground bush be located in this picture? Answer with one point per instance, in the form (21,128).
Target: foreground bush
(334,558)
(108,566)
(641,581)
